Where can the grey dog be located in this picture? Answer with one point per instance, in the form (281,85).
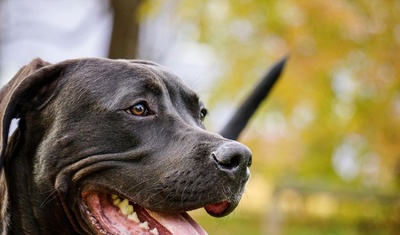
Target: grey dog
(111,147)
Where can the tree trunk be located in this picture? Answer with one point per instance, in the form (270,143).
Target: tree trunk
(124,38)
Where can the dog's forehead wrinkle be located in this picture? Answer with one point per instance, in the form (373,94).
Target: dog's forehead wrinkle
(182,96)
(179,97)
(173,83)
(132,90)
(111,84)
(176,89)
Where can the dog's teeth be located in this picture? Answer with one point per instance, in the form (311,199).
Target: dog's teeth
(116,201)
(144,225)
(154,231)
(124,203)
(134,217)
(129,209)
(123,206)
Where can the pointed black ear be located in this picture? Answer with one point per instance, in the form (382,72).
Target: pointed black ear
(241,117)
(27,86)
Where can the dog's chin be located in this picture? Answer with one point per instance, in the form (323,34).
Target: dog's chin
(111,214)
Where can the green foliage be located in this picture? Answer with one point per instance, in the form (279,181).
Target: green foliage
(338,99)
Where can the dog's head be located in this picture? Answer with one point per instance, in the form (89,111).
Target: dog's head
(113,147)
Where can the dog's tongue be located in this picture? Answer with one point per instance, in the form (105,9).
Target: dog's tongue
(178,223)
(112,217)
(217,209)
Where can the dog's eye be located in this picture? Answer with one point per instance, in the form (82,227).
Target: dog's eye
(139,109)
(203,113)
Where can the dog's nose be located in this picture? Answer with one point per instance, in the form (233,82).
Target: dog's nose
(232,157)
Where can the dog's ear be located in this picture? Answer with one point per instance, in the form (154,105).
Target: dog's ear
(27,89)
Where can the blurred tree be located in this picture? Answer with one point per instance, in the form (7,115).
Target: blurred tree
(333,121)
(341,87)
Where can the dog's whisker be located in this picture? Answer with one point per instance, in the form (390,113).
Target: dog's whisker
(53,195)
(183,195)
(159,202)
(138,184)
(160,191)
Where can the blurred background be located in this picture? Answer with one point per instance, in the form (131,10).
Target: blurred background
(326,142)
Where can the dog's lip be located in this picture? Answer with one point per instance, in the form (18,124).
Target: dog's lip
(106,218)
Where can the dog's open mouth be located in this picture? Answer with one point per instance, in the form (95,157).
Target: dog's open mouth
(110,214)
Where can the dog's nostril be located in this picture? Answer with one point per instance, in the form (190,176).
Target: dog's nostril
(228,163)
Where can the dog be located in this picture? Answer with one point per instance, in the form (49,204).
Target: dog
(111,147)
